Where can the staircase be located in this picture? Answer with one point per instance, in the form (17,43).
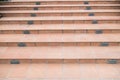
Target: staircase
(59,40)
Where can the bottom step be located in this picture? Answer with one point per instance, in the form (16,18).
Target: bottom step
(60,72)
(57,61)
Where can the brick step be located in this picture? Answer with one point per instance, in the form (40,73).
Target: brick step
(68,28)
(23,40)
(61,71)
(24,60)
(42,13)
(60,7)
(60,2)
(85,31)
(52,44)
(63,53)
(61,20)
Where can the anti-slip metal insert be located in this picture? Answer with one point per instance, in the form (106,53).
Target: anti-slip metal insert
(88,8)
(91,14)
(98,31)
(21,44)
(94,22)
(86,2)
(104,44)
(37,3)
(33,15)
(14,61)
(35,8)
(26,32)
(30,22)
(112,61)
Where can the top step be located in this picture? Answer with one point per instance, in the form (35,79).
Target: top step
(51,2)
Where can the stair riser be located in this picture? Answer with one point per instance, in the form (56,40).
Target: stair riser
(59,14)
(80,61)
(60,8)
(58,31)
(61,22)
(60,2)
(31,44)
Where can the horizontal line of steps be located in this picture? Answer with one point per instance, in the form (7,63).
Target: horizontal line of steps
(93,53)
(68,28)
(2,6)
(49,39)
(60,3)
(52,2)
(61,11)
(51,44)
(60,71)
(61,27)
(80,61)
(61,20)
(61,14)
(87,31)
(60,7)
(59,38)
(30,13)
(23,40)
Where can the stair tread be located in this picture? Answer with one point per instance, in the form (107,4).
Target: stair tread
(60,71)
(58,5)
(62,52)
(55,0)
(61,27)
(60,37)
(58,11)
(61,18)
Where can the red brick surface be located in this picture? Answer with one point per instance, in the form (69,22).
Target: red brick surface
(65,42)
(60,52)
(59,71)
